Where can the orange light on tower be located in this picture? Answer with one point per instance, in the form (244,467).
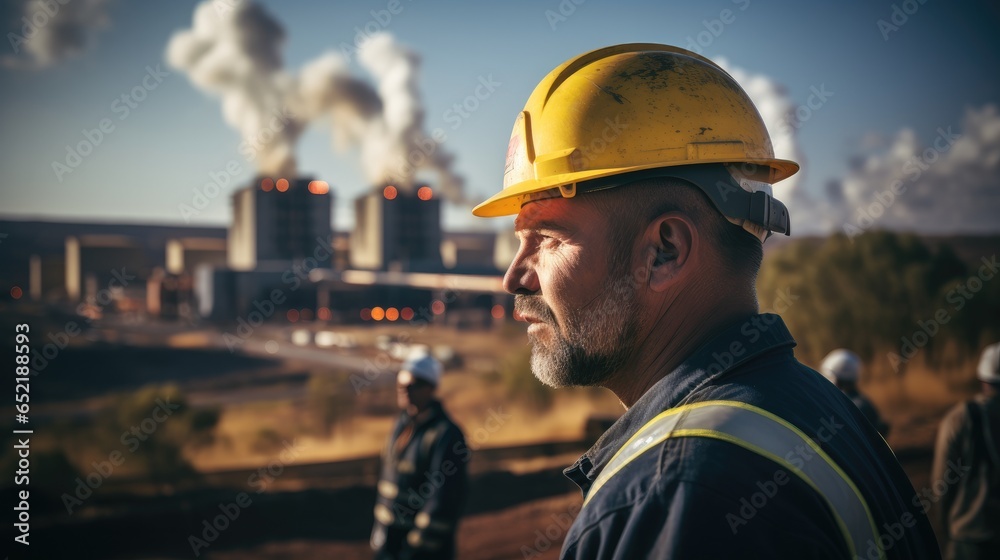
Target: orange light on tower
(378,313)
(425,193)
(266,184)
(389,192)
(498,311)
(281,185)
(437,307)
(323,314)
(319,187)
(392,314)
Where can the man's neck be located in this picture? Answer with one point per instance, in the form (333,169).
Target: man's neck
(415,413)
(989,391)
(671,341)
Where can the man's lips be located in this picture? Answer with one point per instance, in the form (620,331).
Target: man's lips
(518,316)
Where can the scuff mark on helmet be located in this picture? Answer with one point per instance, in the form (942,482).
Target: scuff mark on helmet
(616,96)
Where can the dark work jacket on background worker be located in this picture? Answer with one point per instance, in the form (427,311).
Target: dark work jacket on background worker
(967,462)
(869,411)
(421,489)
(705,497)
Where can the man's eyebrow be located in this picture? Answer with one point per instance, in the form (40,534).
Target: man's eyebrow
(540,225)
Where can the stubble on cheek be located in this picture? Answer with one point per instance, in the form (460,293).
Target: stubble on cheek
(592,344)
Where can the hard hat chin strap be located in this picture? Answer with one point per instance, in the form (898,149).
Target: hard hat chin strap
(769,212)
(725,192)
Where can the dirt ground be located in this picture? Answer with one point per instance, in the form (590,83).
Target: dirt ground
(532,530)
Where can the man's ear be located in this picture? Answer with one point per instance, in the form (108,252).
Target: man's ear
(671,247)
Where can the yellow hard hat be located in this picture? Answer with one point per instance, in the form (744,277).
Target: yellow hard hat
(630,109)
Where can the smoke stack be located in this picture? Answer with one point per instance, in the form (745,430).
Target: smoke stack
(397,230)
(279,220)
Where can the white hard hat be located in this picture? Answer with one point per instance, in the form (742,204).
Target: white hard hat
(422,366)
(841,365)
(989,364)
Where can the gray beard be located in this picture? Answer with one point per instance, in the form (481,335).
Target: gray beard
(593,344)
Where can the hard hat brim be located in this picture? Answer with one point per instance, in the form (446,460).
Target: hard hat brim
(509,201)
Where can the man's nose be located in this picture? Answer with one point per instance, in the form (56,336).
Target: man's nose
(521,277)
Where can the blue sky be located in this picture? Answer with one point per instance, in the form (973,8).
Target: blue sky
(940,63)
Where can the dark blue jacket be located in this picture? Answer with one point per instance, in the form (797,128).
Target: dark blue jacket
(694,497)
(421,489)
(869,411)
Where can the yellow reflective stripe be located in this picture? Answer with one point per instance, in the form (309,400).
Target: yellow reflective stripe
(618,462)
(819,451)
(387,489)
(414,538)
(710,422)
(417,539)
(781,461)
(424,521)
(384,515)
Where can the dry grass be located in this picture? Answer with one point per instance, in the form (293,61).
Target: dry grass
(474,396)
(911,401)
(914,399)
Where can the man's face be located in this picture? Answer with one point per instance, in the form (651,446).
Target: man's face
(574,290)
(412,392)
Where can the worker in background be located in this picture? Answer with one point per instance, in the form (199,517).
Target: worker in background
(843,368)
(640,176)
(423,476)
(967,466)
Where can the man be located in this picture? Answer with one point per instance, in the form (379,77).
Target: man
(423,481)
(967,462)
(843,368)
(640,176)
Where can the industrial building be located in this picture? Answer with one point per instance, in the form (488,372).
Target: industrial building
(397,264)
(278,221)
(397,231)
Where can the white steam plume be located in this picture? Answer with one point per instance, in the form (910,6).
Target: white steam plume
(777,110)
(46,32)
(233,50)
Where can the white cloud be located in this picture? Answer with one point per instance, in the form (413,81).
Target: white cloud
(46,32)
(950,184)
(778,111)
(233,50)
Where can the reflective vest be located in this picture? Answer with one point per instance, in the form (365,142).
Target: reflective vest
(767,435)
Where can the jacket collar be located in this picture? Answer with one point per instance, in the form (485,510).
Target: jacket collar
(430,414)
(731,347)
